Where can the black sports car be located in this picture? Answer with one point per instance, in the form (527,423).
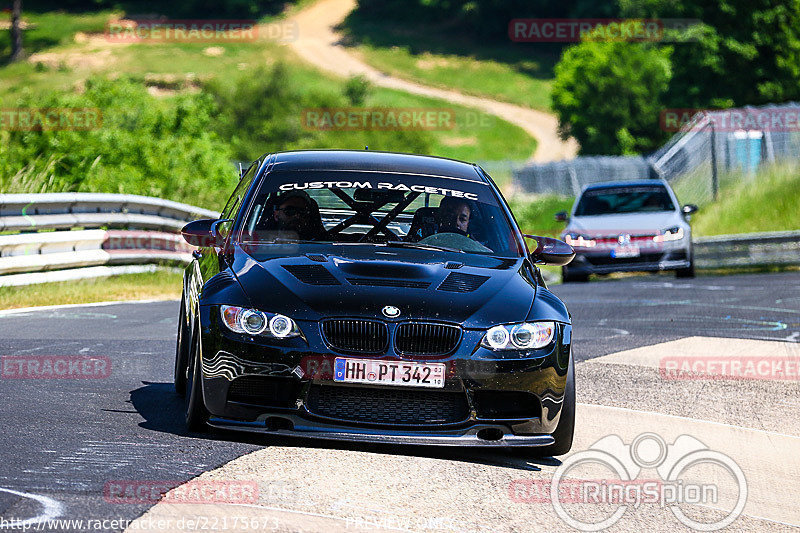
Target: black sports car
(374,296)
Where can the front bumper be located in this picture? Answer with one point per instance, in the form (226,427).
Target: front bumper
(481,435)
(601,262)
(284,387)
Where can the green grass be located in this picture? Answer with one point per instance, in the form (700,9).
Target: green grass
(536,214)
(161,284)
(490,139)
(51,29)
(769,201)
(429,54)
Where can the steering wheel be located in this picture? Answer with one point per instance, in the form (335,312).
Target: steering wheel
(455,241)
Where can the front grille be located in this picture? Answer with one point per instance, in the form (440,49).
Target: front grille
(355,335)
(267,391)
(426,339)
(388,407)
(375,282)
(600,260)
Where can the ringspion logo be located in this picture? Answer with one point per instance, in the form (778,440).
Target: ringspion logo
(688,475)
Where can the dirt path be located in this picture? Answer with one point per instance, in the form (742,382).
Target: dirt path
(319,44)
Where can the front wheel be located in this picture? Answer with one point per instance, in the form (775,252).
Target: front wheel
(687,272)
(182,349)
(196,412)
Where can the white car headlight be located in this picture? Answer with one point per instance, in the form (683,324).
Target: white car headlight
(525,336)
(671,234)
(254,322)
(576,240)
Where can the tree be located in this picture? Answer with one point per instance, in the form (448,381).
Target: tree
(609,95)
(16,31)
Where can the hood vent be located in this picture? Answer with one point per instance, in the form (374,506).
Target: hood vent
(218,282)
(404,283)
(312,274)
(319,258)
(458,282)
(453,265)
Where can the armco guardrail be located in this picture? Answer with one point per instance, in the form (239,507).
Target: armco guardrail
(152,234)
(780,248)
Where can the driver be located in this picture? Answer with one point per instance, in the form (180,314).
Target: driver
(297,214)
(453,216)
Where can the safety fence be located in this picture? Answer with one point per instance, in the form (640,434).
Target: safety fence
(63,236)
(780,248)
(712,150)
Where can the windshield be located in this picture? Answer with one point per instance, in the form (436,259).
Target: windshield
(397,210)
(645,199)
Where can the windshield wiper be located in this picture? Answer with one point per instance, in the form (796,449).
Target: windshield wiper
(418,246)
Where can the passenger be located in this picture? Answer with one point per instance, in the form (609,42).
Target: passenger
(297,214)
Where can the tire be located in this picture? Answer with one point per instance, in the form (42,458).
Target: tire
(568,276)
(687,272)
(196,412)
(566,424)
(182,346)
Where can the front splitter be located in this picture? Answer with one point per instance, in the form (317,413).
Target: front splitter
(467,439)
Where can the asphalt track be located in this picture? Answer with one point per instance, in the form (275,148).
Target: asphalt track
(64,440)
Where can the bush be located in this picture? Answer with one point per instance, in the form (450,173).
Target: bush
(262,112)
(144,146)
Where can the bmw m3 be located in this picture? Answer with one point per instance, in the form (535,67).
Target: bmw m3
(371,296)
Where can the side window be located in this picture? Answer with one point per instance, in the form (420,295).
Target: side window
(236,198)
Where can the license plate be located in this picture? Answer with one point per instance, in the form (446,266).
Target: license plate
(625,251)
(389,373)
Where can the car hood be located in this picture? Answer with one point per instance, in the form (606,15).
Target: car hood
(359,281)
(635,223)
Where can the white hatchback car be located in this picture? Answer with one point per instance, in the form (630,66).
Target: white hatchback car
(628,226)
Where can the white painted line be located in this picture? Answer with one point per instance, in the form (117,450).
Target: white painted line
(51,508)
(700,347)
(20,310)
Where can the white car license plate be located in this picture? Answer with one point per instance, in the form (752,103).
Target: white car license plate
(389,372)
(625,251)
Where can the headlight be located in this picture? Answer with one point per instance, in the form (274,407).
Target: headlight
(525,336)
(577,240)
(671,234)
(254,322)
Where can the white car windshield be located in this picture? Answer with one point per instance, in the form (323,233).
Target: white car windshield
(614,201)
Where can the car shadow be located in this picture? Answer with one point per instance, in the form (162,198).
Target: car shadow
(163,411)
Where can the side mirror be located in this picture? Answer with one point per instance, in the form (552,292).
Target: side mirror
(550,251)
(562,216)
(203,233)
(688,209)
